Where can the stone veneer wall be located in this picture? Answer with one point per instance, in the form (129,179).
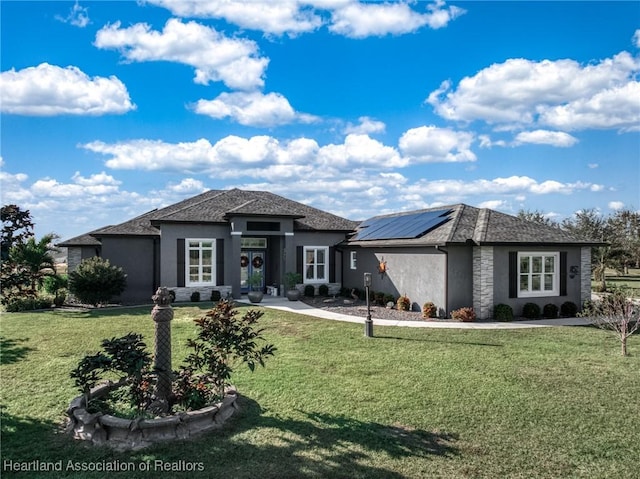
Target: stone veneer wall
(483,281)
(134,434)
(585,273)
(74,258)
(184,294)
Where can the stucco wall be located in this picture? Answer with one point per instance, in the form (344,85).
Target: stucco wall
(417,272)
(501,278)
(169,248)
(135,255)
(459,277)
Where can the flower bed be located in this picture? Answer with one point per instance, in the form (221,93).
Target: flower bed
(134,434)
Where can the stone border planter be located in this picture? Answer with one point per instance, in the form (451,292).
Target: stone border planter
(134,434)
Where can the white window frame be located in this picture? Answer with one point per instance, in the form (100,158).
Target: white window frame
(200,249)
(315,279)
(353,260)
(529,293)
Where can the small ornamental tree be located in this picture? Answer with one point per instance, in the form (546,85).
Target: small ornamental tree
(223,340)
(95,281)
(617,312)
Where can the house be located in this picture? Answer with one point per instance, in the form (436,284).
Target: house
(216,241)
(454,256)
(460,256)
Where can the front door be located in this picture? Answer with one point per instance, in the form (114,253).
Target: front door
(251,262)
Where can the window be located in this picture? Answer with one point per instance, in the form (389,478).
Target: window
(353,260)
(249,243)
(316,265)
(200,261)
(538,274)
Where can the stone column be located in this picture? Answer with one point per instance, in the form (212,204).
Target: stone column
(162,314)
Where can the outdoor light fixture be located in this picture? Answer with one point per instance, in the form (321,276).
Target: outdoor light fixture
(368,323)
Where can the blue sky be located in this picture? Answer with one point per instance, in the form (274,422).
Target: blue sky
(111,109)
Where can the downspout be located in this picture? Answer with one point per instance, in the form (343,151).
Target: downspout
(446,278)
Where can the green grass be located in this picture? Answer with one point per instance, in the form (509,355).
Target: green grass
(408,403)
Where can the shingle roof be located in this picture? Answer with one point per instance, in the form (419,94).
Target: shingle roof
(217,206)
(483,227)
(82,240)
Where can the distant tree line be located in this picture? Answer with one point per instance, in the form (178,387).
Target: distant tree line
(619,231)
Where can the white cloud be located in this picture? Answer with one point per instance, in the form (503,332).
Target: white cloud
(546,137)
(252,109)
(487,142)
(360,20)
(78,16)
(429,144)
(276,18)
(593,166)
(554,93)
(234,61)
(360,150)
(616,205)
(48,90)
(636,39)
(293,17)
(365,126)
(494,204)
(187,186)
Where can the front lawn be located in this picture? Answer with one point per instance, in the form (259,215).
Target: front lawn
(408,403)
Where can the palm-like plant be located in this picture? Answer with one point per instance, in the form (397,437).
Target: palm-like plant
(36,257)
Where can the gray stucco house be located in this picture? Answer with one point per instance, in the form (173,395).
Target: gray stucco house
(215,241)
(454,256)
(460,256)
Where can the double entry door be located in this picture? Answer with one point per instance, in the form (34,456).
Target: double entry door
(252,262)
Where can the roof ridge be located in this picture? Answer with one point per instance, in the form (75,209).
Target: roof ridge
(173,212)
(482,225)
(235,208)
(456,221)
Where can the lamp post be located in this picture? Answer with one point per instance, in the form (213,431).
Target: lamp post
(368,323)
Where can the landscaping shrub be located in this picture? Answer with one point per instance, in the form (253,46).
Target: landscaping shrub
(389,298)
(17,305)
(172,295)
(95,281)
(531,311)
(323,290)
(503,312)
(429,310)
(195,297)
(568,309)
(310,290)
(404,303)
(550,311)
(466,315)
(215,296)
(379,299)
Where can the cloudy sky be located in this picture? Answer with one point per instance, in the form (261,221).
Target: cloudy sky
(111,109)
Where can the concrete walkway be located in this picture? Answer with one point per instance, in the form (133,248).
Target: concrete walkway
(283,304)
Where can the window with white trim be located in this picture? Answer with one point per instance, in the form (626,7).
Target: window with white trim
(353,260)
(200,265)
(538,274)
(316,264)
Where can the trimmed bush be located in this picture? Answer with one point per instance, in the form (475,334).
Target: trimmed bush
(466,315)
(568,309)
(550,311)
(28,304)
(531,311)
(215,296)
(310,291)
(429,310)
(404,303)
(323,290)
(195,297)
(172,295)
(389,298)
(503,312)
(379,299)
(95,281)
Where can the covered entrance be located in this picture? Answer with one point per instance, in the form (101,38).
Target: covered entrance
(253,261)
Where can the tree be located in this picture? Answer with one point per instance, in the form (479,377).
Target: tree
(16,228)
(589,224)
(617,312)
(95,281)
(36,258)
(537,217)
(625,228)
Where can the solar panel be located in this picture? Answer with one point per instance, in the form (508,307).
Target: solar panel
(407,226)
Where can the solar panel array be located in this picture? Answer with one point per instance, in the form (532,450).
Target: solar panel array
(412,225)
